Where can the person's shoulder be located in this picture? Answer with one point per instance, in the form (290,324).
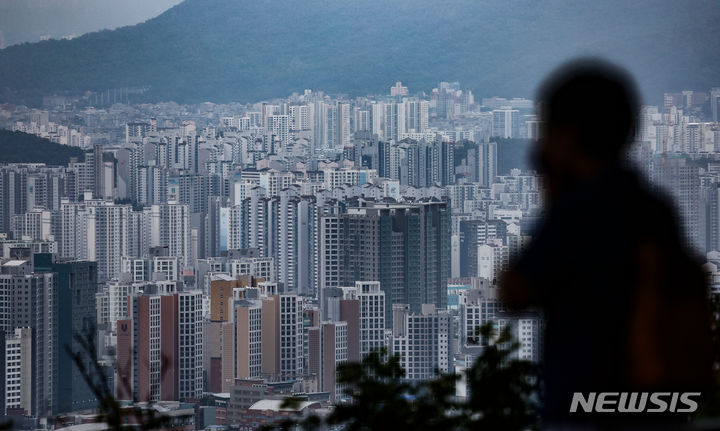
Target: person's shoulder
(652,211)
(654,202)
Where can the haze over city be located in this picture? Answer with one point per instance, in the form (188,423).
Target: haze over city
(211,207)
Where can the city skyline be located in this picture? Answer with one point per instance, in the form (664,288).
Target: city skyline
(243,252)
(243,215)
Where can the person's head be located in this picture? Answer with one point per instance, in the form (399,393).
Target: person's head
(588,109)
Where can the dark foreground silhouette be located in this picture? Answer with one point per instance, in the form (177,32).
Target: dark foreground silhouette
(626,306)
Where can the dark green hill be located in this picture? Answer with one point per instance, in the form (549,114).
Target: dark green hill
(19,147)
(248,50)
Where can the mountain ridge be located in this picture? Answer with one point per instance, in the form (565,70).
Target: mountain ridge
(20,147)
(238,50)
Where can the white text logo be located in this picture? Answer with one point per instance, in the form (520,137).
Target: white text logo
(634,402)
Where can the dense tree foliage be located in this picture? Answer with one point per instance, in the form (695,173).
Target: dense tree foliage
(502,394)
(232,50)
(19,147)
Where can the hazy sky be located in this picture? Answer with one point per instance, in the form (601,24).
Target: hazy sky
(30,20)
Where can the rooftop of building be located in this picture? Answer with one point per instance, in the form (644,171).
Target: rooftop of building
(276,405)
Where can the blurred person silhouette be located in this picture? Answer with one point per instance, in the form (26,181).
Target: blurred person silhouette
(625,304)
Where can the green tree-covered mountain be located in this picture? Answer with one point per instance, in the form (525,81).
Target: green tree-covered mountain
(19,147)
(243,50)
